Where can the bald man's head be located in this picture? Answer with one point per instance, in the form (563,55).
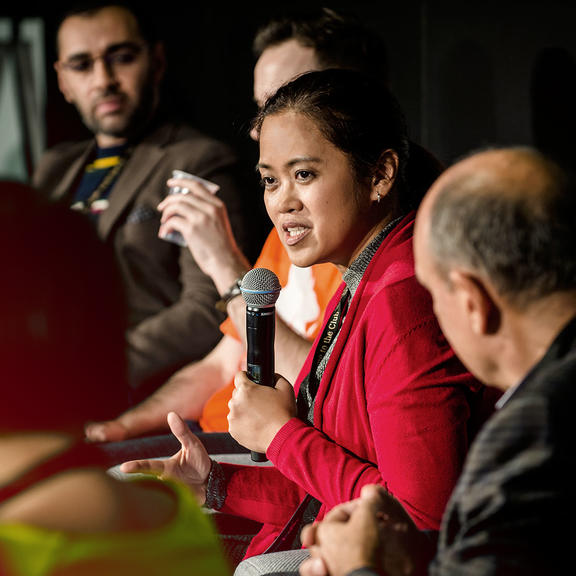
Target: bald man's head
(507,214)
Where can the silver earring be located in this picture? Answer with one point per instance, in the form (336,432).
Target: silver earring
(378,197)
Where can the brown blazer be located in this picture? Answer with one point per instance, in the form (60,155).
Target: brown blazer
(173,320)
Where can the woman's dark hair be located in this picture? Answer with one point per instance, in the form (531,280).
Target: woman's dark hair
(354,111)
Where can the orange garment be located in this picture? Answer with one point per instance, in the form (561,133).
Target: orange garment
(302,302)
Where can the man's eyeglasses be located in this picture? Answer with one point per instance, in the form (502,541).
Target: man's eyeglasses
(114,57)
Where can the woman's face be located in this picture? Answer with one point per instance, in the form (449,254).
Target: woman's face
(320,210)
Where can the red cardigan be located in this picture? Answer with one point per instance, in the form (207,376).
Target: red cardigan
(394,407)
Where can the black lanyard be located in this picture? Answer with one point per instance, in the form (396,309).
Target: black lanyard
(309,386)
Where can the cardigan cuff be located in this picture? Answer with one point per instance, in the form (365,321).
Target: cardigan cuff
(282,436)
(216,487)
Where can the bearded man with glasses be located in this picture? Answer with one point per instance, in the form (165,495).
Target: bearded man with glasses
(110,66)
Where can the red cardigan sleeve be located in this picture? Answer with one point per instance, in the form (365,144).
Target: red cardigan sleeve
(260,493)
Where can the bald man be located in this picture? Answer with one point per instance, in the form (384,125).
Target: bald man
(495,244)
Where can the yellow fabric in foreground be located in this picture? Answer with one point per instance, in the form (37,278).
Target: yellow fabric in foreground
(188,546)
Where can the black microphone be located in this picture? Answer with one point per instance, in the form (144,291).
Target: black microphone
(260,289)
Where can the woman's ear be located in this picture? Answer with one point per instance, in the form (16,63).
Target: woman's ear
(385,175)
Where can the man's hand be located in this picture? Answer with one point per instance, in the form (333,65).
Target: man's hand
(202,219)
(373,531)
(109,431)
(187,391)
(345,540)
(190,465)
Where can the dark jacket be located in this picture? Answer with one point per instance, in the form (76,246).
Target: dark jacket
(512,510)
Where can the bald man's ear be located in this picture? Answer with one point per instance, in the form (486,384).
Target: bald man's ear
(477,303)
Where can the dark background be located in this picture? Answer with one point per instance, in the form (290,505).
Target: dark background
(467,73)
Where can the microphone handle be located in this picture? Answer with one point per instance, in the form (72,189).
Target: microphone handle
(260,329)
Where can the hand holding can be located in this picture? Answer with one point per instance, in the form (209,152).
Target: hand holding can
(175,236)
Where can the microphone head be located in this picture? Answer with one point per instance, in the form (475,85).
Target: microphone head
(260,288)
